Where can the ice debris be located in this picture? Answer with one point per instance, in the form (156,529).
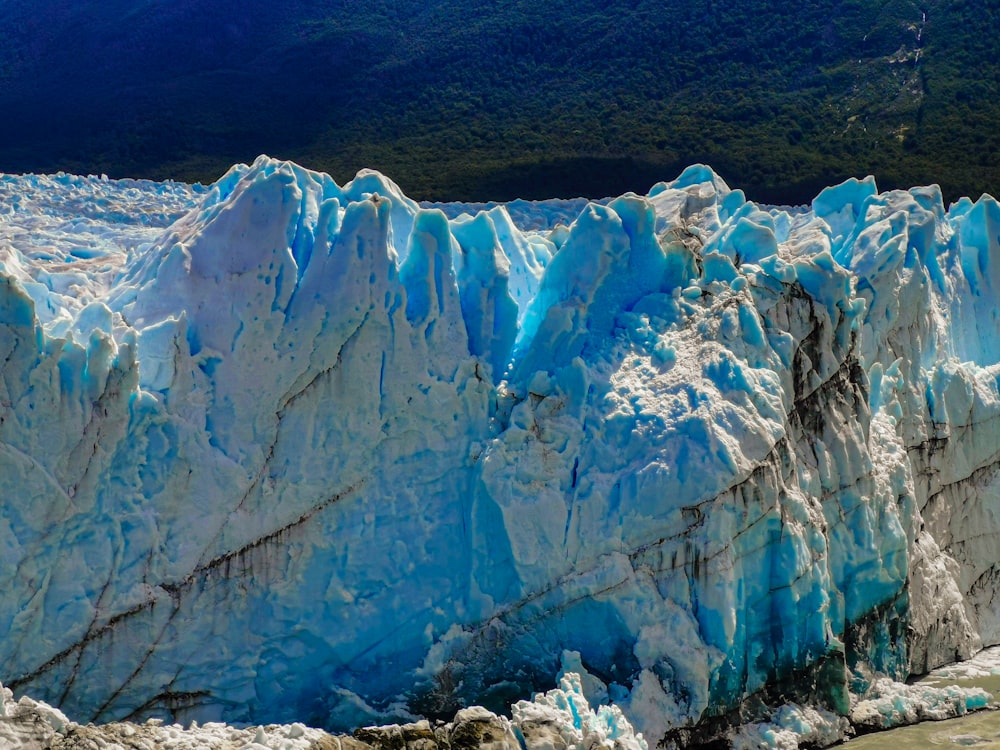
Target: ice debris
(560,719)
(563,718)
(891,704)
(791,727)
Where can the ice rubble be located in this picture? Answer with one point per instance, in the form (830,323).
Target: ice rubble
(315,453)
(560,718)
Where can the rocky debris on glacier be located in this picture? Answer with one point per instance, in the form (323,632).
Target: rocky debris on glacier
(310,452)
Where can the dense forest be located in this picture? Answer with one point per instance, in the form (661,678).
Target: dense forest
(484,100)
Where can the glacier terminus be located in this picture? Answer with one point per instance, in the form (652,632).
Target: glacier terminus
(280,450)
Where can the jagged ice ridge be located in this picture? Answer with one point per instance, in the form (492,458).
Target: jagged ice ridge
(279,450)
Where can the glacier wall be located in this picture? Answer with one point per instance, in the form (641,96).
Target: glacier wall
(282,450)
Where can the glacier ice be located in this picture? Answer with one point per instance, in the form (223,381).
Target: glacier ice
(284,450)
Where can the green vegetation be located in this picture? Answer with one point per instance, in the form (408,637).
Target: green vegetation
(492,100)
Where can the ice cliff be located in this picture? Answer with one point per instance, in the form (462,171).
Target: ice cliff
(280,450)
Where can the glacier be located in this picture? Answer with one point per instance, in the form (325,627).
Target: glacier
(280,450)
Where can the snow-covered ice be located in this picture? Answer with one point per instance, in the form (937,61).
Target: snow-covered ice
(280,450)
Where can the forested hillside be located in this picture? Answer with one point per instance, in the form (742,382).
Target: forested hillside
(489,100)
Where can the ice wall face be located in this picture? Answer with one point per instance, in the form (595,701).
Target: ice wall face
(206,485)
(312,452)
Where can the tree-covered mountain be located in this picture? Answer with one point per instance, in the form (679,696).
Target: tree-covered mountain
(475,100)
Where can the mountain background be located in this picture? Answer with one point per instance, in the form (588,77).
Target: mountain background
(493,100)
